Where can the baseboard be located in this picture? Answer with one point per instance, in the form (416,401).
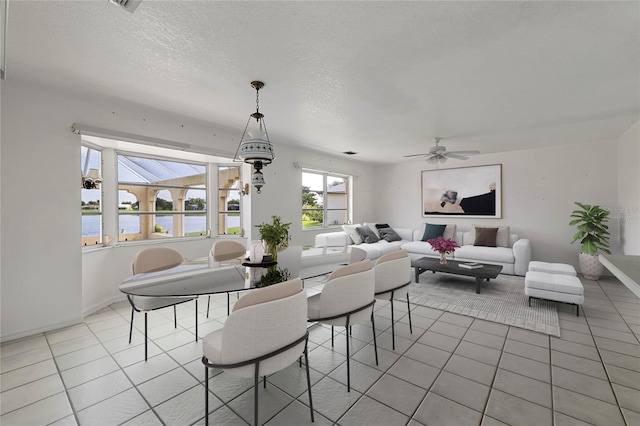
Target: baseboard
(98,306)
(35,331)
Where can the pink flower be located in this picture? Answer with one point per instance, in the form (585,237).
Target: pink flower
(443,245)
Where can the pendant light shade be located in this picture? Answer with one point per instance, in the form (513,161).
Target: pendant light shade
(255,147)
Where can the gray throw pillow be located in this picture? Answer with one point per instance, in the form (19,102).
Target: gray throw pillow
(389,234)
(367,235)
(486,237)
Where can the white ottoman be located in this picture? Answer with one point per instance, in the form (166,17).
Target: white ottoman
(556,287)
(552,268)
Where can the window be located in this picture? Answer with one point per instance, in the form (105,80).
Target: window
(160,198)
(91,205)
(229,192)
(325,199)
(150,192)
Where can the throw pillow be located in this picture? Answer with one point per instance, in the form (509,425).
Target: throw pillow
(367,234)
(449,232)
(486,237)
(352,233)
(388,234)
(382,225)
(502,237)
(432,231)
(373,228)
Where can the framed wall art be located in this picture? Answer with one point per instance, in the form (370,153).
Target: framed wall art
(474,192)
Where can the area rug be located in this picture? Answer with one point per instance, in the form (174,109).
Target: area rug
(502,300)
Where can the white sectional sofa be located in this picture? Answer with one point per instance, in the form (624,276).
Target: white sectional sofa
(514,258)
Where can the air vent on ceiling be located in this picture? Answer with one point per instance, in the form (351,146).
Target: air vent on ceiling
(128,5)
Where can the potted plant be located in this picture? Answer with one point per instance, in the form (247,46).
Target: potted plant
(593,235)
(275,236)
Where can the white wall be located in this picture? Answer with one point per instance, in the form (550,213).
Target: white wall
(42,266)
(539,187)
(629,190)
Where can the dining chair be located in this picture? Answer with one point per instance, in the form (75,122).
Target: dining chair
(357,255)
(226,252)
(346,299)
(393,276)
(155,259)
(265,333)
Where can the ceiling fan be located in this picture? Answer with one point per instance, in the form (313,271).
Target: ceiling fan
(439,154)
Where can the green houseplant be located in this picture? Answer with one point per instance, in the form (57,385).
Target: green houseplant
(593,235)
(275,235)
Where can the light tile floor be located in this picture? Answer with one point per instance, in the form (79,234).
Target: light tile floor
(453,370)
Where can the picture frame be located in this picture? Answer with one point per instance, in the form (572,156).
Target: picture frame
(471,192)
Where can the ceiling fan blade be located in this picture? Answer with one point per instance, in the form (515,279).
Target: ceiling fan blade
(464,152)
(456,156)
(418,155)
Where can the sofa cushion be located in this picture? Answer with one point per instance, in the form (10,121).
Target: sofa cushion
(388,234)
(373,251)
(485,237)
(352,233)
(432,231)
(484,254)
(419,247)
(367,235)
(502,237)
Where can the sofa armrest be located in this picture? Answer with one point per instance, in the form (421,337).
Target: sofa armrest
(522,255)
(332,239)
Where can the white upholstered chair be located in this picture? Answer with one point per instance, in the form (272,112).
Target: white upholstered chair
(226,252)
(346,299)
(265,333)
(151,260)
(357,255)
(393,276)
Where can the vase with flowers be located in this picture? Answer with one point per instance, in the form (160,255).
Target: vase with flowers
(444,246)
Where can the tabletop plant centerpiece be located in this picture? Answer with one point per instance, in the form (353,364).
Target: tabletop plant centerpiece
(275,236)
(444,246)
(593,235)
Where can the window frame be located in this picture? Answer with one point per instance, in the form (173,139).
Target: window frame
(348,179)
(111,147)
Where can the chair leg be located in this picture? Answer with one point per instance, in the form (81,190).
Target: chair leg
(375,343)
(331,336)
(393,328)
(208,305)
(255,394)
(206,396)
(131,326)
(196,299)
(175,317)
(264,382)
(409,312)
(145,337)
(348,364)
(306,361)
(228,304)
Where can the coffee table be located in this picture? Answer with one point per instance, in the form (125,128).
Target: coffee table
(452,267)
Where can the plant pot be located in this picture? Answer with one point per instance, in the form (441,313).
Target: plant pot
(590,266)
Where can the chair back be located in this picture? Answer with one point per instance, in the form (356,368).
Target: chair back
(357,255)
(263,321)
(289,259)
(348,288)
(393,270)
(226,250)
(155,259)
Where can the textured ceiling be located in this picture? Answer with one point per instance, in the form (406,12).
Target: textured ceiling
(378,78)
